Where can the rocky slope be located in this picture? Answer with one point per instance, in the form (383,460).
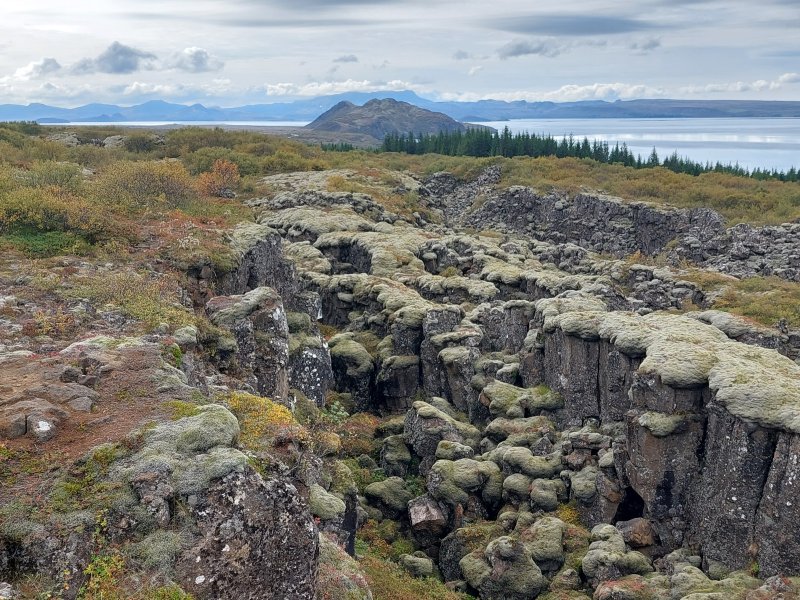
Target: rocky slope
(553,422)
(380,117)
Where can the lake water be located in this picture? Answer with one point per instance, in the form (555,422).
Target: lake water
(764,143)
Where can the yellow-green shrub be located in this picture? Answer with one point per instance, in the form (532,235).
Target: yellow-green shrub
(43,210)
(139,185)
(44,174)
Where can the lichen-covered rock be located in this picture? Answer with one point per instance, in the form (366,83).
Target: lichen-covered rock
(258,322)
(256,538)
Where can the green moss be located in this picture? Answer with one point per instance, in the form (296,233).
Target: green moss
(298,322)
(159,549)
(324,505)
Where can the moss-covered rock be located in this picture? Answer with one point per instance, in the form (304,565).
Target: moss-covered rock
(324,505)
(503,571)
(391,496)
(452,482)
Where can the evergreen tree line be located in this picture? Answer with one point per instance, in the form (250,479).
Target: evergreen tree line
(488,142)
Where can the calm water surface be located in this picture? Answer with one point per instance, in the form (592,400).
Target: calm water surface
(764,143)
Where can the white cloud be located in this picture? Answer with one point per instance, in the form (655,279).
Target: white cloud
(36,69)
(568,93)
(738,87)
(336,87)
(194,60)
(139,88)
(475,70)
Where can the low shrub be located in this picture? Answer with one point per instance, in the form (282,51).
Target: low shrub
(142,185)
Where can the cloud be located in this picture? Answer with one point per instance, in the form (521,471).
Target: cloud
(336,87)
(116,59)
(737,87)
(568,93)
(577,25)
(347,58)
(645,46)
(36,69)
(461,55)
(517,48)
(139,88)
(475,70)
(195,60)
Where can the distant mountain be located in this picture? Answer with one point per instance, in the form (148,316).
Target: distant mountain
(380,117)
(483,110)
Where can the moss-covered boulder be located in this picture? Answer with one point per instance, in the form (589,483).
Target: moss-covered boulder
(390,496)
(609,558)
(453,482)
(504,570)
(512,402)
(395,456)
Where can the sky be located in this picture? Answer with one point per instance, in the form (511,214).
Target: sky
(234,52)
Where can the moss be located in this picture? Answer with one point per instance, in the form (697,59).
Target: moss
(392,492)
(512,402)
(324,505)
(344,348)
(302,341)
(453,481)
(159,549)
(661,425)
(298,322)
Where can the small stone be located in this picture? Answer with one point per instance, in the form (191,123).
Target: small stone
(82,404)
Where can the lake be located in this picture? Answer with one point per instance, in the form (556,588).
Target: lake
(764,143)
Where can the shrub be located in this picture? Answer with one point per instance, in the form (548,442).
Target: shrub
(43,174)
(358,434)
(42,222)
(139,142)
(221,180)
(203,160)
(139,185)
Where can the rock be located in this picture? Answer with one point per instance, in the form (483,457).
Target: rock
(340,576)
(429,520)
(608,558)
(546,494)
(395,456)
(453,482)
(258,322)
(353,370)
(324,505)
(503,571)
(397,382)
(419,565)
(391,496)
(426,426)
(637,532)
(266,521)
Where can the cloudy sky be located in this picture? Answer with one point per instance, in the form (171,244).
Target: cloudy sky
(252,51)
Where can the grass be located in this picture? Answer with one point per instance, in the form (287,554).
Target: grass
(737,199)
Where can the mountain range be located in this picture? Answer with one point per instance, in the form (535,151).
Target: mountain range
(483,110)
